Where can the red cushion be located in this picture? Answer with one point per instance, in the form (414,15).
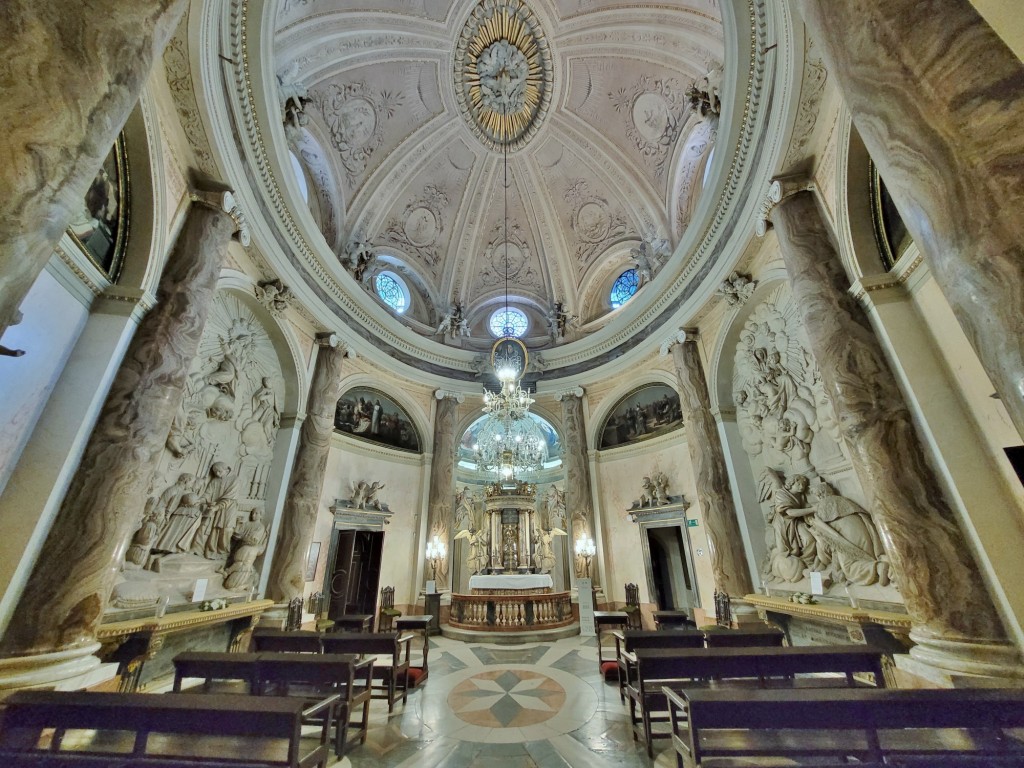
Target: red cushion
(415,675)
(610,669)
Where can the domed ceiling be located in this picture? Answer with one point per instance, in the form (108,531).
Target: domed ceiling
(406,111)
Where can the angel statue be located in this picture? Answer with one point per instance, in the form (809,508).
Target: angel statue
(477,557)
(364,495)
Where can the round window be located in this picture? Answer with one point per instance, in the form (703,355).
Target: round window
(392,291)
(624,288)
(508,322)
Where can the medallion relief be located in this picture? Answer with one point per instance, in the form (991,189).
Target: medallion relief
(654,110)
(354,115)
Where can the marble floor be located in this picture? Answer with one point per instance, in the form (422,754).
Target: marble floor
(524,706)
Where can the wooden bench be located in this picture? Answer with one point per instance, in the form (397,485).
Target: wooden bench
(389,645)
(674,620)
(143,730)
(751,637)
(285,641)
(213,666)
(626,642)
(898,727)
(658,668)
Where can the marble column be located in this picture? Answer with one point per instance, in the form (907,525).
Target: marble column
(67,593)
(441,497)
(938,99)
(579,505)
(302,505)
(71,74)
(955,624)
(728,561)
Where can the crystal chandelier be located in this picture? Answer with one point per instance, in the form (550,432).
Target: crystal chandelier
(510,442)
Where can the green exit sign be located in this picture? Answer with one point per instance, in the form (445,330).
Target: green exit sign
(691,523)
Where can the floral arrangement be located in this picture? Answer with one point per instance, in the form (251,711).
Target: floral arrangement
(216,604)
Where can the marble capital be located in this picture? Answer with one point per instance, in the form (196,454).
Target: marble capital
(938,100)
(305,486)
(441,394)
(68,591)
(571,392)
(53,148)
(680,336)
(941,584)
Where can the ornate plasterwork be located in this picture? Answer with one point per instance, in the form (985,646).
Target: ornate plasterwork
(421,225)
(593,221)
(654,110)
(516,256)
(354,114)
(503,73)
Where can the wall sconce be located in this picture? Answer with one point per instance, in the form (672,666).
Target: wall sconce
(586,549)
(436,551)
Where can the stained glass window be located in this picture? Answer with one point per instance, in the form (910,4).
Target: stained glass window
(392,291)
(624,288)
(508,322)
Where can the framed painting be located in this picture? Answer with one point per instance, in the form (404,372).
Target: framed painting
(100,228)
(646,412)
(369,414)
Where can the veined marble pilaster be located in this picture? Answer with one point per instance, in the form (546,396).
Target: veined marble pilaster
(71,100)
(440,499)
(298,517)
(938,99)
(70,585)
(710,474)
(938,579)
(578,502)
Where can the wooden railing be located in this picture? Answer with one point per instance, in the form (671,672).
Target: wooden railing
(511,613)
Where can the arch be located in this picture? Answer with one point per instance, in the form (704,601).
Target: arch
(392,390)
(600,416)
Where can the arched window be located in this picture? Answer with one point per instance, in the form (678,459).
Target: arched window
(508,322)
(624,288)
(392,291)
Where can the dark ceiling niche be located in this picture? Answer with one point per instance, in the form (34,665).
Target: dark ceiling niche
(1015,453)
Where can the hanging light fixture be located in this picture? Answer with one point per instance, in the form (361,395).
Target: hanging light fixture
(510,442)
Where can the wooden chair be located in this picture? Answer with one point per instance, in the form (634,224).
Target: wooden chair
(632,609)
(388,613)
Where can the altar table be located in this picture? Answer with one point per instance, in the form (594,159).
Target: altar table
(517,581)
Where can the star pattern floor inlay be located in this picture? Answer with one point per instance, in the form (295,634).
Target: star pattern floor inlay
(506,699)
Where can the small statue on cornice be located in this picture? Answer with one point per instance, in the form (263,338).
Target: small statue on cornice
(561,322)
(364,495)
(647,260)
(358,259)
(294,98)
(454,323)
(736,289)
(274,295)
(538,363)
(655,493)
(704,94)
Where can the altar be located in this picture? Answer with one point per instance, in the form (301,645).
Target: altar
(511,583)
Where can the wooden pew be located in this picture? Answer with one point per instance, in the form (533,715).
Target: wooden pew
(145,730)
(392,674)
(657,668)
(897,727)
(283,641)
(627,641)
(217,666)
(751,637)
(312,677)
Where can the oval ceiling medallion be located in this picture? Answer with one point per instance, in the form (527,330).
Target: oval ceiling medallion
(503,73)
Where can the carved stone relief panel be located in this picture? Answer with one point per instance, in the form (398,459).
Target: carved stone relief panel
(789,433)
(204,515)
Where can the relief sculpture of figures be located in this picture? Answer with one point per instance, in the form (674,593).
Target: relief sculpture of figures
(248,543)
(220,495)
(813,529)
(544,553)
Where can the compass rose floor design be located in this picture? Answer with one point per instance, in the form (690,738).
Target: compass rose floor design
(540,705)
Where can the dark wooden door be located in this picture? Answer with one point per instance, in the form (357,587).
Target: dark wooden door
(356,573)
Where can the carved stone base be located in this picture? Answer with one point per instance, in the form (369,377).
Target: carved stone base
(961,663)
(68,670)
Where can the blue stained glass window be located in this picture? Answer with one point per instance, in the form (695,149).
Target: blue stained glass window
(510,322)
(392,291)
(624,288)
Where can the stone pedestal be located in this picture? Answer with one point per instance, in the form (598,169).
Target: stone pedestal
(442,481)
(938,99)
(947,600)
(72,74)
(68,591)
(714,496)
(298,518)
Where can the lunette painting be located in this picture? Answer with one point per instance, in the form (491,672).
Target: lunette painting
(101,227)
(646,412)
(371,415)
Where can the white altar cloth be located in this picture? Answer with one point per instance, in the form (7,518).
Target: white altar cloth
(511,581)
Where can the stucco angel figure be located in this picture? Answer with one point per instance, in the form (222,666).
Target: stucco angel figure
(478,556)
(364,495)
(647,259)
(454,323)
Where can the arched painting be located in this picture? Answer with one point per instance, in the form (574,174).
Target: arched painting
(101,226)
(371,415)
(646,412)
